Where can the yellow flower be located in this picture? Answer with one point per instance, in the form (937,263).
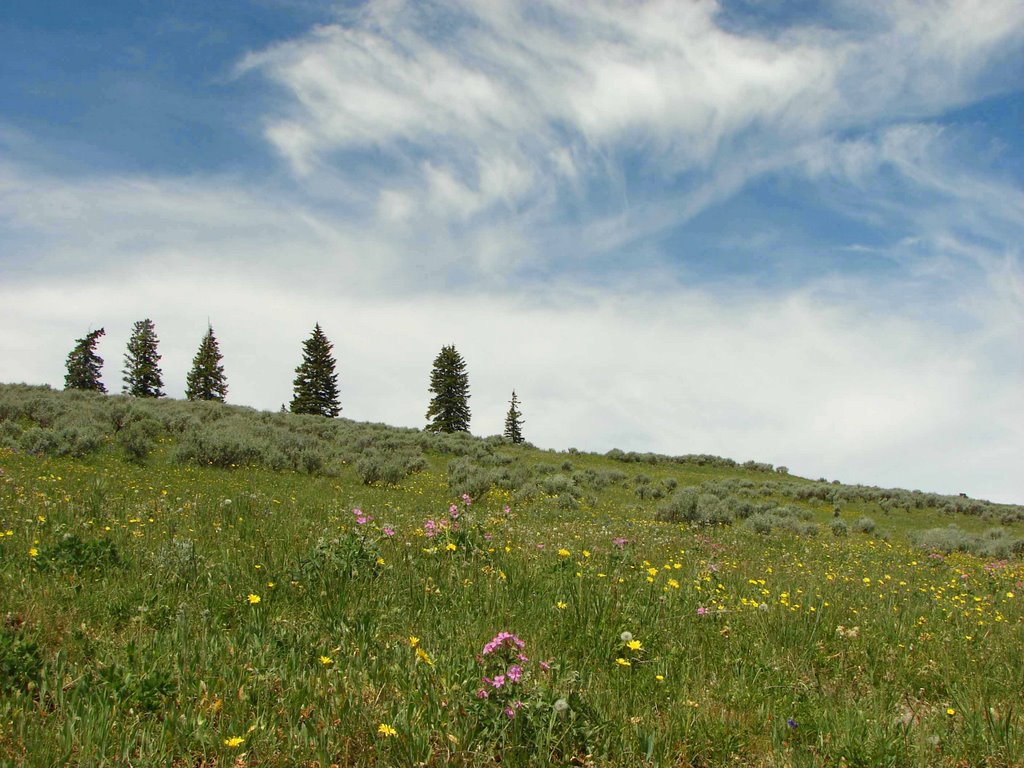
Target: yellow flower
(623,662)
(33,552)
(451,547)
(561,606)
(41,518)
(386,730)
(380,561)
(950,711)
(422,656)
(253,599)
(413,641)
(634,645)
(563,552)
(326,660)
(234,741)
(660,678)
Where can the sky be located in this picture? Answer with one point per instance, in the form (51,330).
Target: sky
(781,231)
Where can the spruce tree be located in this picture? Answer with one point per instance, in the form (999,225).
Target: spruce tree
(84,364)
(206,379)
(142,376)
(514,421)
(316,383)
(449,408)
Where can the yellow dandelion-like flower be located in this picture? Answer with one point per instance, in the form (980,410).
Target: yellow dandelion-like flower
(326,661)
(561,606)
(451,547)
(660,678)
(422,656)
(623,662)
(380,561)
(950,711)
(563,552)
(413,641)
(253,599)
(234,741)
(33,552)
(634,645)
(386,731)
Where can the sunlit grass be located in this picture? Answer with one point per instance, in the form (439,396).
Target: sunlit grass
(165,614)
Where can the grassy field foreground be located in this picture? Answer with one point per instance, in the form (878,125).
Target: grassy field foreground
(159,612)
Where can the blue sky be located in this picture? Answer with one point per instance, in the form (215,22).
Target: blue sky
(781,231)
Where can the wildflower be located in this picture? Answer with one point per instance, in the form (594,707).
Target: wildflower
(413,641)
(421,655)
(515,672)
(450,547)
(482,693)
(466,499)
(561,606)
(453,512)
(792,723)
(387,530)
(634,645)
(626,636)
(563,552)
(660,678)
(561,705)
(950,711)
(702,611)
(33,552)
(510,711)
(498,681)
(623,662)
(326,661)
(386,730)
(234,741)
(253,599)
(380,561)
(545,666)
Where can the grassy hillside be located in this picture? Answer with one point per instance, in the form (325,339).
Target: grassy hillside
(197,584)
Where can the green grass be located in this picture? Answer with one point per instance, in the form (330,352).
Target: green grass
(132,634)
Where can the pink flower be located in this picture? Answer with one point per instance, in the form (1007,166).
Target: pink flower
(702,611)
(482,693)
(506,509)
(515,672)
(453,511)
(466,500)
(498,681)
(545,666)
(620,542)
(388,530)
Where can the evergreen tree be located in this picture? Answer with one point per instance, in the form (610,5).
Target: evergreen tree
(449,408)
(206,379)
(84,364)
(514,421)
(142,376)
(316,383)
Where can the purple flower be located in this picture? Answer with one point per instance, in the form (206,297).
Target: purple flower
(498,681)
(620,542)
(792,723)
(515,672)
(545,666)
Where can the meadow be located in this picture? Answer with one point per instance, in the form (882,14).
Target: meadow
(201,585)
